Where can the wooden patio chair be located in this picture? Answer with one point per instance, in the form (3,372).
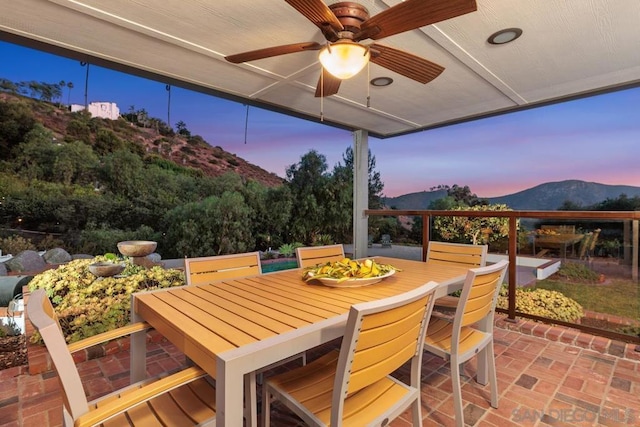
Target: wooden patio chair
(585,243)
(354,386)
(471,331)
(309,256)
(183,398)
(592,244)
(204,270)
(472,256)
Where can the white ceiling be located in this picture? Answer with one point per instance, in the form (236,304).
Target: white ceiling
(569,48)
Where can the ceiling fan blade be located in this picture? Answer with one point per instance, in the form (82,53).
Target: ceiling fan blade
(412,14)
(407,64)
(319,13)
(273,51)
(328,84)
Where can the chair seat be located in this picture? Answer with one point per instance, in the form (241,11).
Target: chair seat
(440,335)
(447,301)
(312,386)
(190,404)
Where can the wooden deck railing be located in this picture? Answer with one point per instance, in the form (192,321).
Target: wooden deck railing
(631,218)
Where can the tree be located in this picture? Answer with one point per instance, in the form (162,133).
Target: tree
(75,163)
(16,120)
(375,182)
(308,181)
(69,86)
(477,230)
(216,225)
(181,127)
(8,86)
(461,194)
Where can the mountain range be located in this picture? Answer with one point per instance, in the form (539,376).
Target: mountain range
(547,196)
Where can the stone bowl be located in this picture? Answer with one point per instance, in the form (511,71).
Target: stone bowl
(105,269)
(137,248)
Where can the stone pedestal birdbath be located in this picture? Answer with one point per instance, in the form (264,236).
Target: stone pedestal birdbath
(138,251)
(105,269)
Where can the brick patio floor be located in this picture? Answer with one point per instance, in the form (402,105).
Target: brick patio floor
(547,376)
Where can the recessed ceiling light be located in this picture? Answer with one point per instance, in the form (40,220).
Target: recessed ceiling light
(505,36)
(381,81)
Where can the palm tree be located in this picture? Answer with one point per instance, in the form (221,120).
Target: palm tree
(69,86)
(168,88)
(86,84)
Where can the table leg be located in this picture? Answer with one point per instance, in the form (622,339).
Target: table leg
(229,395)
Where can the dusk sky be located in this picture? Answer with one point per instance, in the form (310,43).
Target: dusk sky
(595,139)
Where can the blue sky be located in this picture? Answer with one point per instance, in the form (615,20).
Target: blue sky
(595,139)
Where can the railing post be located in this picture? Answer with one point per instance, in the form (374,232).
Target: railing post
(634,251)
(426,223)
(513,267)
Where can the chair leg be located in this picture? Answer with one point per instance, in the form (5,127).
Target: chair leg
(457,391)
(266,407)
(491,361)
(250,400)
(416,411)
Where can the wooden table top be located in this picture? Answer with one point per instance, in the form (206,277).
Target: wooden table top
(206,320)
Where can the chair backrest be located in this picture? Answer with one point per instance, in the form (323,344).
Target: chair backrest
(380,337)
(44,319)
(459,253)
(478,299)
(585,244)
(204,270)
(308,256)
(594,240)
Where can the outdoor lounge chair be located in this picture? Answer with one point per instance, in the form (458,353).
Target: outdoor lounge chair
(385,241)
(471,331)
(354,386)
(181,399)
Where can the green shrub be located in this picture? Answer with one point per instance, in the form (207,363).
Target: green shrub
(287,250)
(577,272)
(87,305)
(542,302)
(16,244)
(323,240)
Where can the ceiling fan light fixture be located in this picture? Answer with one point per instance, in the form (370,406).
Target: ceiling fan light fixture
(344,59)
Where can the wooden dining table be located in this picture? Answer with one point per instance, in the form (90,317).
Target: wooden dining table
(234,327)
(560,241)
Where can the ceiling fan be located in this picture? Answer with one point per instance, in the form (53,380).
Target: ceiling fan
(345,24)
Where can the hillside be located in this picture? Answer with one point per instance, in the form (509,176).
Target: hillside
(548,196)
(193,152)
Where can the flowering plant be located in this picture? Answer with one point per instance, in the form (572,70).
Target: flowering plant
(87,305)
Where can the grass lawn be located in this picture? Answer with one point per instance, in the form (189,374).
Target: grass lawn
(619,297)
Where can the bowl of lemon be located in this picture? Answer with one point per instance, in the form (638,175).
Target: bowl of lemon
(349,273)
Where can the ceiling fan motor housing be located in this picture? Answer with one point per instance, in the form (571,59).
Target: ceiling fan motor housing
(351,15)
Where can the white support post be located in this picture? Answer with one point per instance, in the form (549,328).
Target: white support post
(360,192)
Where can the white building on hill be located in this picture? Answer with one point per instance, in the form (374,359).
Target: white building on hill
(105,110)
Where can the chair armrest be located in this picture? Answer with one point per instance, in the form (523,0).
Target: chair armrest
(135,397)
(108,336)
